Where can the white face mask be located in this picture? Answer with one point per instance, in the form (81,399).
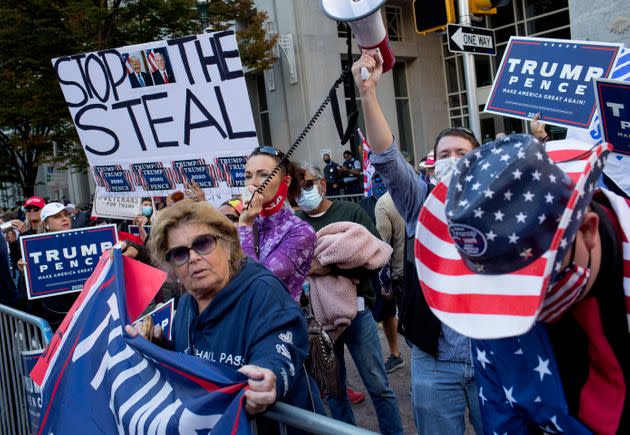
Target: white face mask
(444,167)
(246,195)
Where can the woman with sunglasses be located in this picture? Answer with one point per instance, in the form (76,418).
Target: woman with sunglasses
(33,208)
(443,384)
(269,231)
(235,311)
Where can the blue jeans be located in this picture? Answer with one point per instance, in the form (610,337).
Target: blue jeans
(362,340)
(441,390)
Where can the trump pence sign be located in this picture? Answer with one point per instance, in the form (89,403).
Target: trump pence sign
(553,77)
(61,262)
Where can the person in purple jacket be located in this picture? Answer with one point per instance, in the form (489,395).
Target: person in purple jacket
(269,231)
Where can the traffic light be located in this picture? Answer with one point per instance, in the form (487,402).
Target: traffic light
(433,15)
(486,7)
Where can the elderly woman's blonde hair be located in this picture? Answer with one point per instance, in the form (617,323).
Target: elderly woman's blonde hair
(189,211)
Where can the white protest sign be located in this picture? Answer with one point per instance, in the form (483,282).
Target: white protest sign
(152,116)
(115,207)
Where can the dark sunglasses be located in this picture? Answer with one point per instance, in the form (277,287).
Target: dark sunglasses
(32,208)
(269,150)
(232,217)
(451,130)
(202,245)
(308,184)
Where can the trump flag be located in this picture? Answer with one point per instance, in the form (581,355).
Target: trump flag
(97,379)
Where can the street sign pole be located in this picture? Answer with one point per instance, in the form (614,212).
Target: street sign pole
(470,75)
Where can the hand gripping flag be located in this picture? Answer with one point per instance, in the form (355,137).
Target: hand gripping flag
(96,379)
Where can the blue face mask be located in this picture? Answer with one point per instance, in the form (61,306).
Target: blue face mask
(309,200)
(147,211)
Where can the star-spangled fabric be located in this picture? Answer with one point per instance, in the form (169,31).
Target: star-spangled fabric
(520,390)
(467,294)
(97,380)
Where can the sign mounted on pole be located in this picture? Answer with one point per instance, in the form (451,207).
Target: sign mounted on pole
(476,40)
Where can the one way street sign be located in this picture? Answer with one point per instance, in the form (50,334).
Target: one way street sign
(462,39)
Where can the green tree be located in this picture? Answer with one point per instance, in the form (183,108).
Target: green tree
(34,118)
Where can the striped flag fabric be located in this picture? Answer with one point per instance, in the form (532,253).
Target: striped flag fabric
(151,61)
(97,379)
(368,169)
(487,306)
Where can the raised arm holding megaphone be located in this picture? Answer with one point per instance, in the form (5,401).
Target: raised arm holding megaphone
(379,135)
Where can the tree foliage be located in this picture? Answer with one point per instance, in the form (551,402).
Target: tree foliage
(34,118)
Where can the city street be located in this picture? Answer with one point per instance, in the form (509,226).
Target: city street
(400,381)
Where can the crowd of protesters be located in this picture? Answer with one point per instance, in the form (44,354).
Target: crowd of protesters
(302,277)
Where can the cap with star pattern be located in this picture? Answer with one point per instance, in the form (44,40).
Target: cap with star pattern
(504,203)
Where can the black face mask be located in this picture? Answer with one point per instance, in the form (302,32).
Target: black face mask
(326,161)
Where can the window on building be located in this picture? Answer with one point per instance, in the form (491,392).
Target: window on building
(263,111)
(403,109)
(394,20)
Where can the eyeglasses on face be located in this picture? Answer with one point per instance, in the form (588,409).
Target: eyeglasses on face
(202,245)
(232,217)
(308,184)
(32,208)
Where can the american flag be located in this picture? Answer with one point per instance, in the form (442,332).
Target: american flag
(368,169)
(151,61)
(499,305)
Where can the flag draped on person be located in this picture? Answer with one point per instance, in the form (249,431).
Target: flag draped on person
(368,169)
(97,378)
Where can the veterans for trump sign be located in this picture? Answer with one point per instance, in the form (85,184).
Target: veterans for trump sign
(115,207)
(613,100)
(60,262)
(552,77)
(153,116)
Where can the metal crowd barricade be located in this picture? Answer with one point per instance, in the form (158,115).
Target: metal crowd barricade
(19,332)
(351,198)
(291,416)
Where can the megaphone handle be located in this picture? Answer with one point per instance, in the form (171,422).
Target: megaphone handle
(365,74)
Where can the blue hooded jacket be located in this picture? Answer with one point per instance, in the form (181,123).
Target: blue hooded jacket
(252,320)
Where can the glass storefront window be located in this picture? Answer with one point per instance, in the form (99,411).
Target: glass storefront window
(533,8)
(484,72)
(547,22)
